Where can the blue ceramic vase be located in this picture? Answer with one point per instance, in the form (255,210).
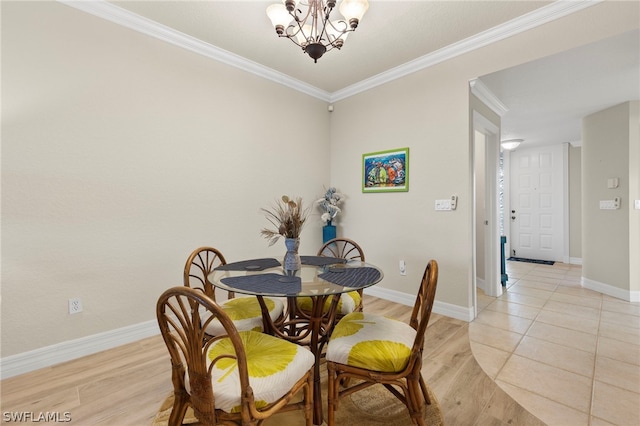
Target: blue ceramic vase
(328,232)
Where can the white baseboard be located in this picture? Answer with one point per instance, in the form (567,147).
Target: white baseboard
(609,290)
(66,351)
(480,283)
(575,260)
(442,308)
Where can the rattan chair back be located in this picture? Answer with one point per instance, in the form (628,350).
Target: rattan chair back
(200,263)
(183,316)
(343,248)
(413,389)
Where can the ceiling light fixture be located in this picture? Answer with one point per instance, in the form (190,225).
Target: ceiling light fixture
(510,144)
(312,29)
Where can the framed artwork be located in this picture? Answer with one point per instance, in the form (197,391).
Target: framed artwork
(386,171)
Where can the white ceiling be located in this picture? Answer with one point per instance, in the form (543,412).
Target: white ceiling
(545,99)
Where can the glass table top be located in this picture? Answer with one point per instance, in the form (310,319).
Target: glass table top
(318,276)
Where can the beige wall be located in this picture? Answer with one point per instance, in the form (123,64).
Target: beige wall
(121,153)
(419,112)
(605,154)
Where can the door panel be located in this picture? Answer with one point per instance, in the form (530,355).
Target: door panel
(537,177)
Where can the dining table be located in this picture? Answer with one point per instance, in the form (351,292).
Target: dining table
(321,278)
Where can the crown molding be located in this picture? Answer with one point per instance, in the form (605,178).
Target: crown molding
(120,16)
(482,92)
(545,14)
(117,15)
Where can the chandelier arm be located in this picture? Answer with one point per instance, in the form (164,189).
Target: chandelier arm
(297,27)
(293,40)
(292,32)
(337,33)
(342,22)
(297,13)
(332,46)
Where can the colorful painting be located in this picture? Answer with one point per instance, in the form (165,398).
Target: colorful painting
(386,171)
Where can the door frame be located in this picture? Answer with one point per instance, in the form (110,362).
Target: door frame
(506,200)
(493,286)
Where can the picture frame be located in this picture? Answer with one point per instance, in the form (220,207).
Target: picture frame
(386,171)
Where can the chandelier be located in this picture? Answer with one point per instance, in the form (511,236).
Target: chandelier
(311,27)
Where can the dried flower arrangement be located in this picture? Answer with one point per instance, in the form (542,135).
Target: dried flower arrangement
(288,216)
(329,205)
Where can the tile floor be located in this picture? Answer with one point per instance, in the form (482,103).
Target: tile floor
(569,355)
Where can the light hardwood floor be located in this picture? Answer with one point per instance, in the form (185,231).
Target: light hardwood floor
(126,385)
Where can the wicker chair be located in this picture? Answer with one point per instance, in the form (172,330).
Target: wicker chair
(245,312)
(351,301)
(237,377)
(372,349)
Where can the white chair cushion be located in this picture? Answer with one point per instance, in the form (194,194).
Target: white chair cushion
(245,313)
(347,303)
(274,365)
(371,341)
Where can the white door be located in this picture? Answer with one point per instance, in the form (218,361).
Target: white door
(537,202)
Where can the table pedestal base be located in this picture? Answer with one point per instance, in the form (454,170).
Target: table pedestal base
(311,329)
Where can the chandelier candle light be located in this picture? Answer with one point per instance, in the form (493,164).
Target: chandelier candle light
(311,28)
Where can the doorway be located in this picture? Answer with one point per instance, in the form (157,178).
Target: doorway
(486,229)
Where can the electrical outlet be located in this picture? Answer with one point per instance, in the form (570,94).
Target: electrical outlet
(75,305)
(403,268)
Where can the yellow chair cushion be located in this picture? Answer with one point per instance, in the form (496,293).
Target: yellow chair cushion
(371,341)
(246,314)
(347,303)
(274,366)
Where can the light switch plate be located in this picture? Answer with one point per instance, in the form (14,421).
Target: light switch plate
(609,205)
(443,204)
(613,183)
(637,204)
(606,205)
